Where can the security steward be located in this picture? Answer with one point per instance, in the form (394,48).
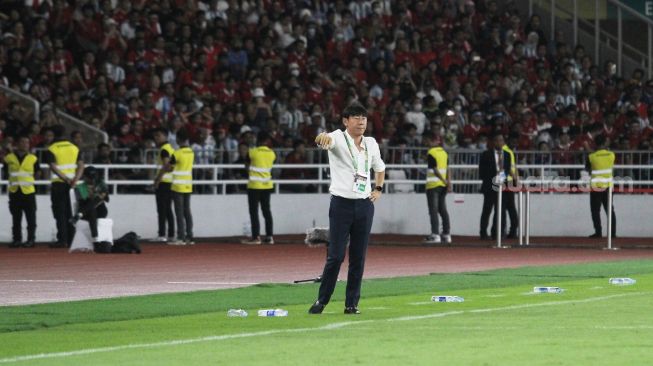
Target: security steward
(21,167)
(162,186)
(437,186)
(259,187)
(67,168)
(508,195)
(181,166)
(600,164)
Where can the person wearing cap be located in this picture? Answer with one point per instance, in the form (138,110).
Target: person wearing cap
(437,185)
(67,168)
(20,167)
(260,187)
(600,164)
(163,188)
(351,212)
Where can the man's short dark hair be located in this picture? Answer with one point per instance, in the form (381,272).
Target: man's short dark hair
(353,110)
(600,140)
(58,131)
(262,137)
(182,135)
(159,130)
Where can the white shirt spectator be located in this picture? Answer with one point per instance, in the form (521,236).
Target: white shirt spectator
(115,72)
(127,31)
(565,100)
(418,118)
(341,164)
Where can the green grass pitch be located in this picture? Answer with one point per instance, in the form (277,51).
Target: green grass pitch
(501,322)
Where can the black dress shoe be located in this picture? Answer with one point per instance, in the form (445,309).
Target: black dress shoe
(28,244)
(15,244)
(511,236)
(595,235)
(316,308)
(485,237)
(57,245)
(352,310)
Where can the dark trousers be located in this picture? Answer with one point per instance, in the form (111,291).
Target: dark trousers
(91,210)
(350,221)
(183,214)
(508,204)
(435,198)
(164,209)
(63,212)
(20,203)
(489,204)
(598,199)
(254,197)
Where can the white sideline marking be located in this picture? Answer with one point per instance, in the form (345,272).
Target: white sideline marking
(331,326)
(515,307)
(48,281)
(212,283)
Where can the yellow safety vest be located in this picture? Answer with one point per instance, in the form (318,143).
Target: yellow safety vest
(182,175)
(167,177)
(513,165)
(261,160)
(441,160)
(21,174)
(65,158)
(601,162)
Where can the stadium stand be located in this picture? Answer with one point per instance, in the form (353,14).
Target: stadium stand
(225,70)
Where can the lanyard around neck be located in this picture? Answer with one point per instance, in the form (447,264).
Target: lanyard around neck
(354,161)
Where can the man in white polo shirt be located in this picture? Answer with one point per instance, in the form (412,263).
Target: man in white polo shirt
(351,155)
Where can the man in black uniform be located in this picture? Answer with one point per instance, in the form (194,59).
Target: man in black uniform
(493,161)
(67,169)
(21,166)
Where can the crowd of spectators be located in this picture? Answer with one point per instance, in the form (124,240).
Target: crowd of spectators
(223,70)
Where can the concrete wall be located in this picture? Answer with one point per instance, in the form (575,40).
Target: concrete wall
(551,215)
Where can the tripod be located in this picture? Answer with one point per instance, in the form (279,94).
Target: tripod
(315,237)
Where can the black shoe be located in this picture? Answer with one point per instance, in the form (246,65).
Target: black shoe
(28,244)
(595,236)
(485,236)
(316,308)
(511,235)
(352,310)
(57,245)
(15,244)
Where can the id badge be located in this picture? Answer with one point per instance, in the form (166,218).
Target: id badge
(360,182)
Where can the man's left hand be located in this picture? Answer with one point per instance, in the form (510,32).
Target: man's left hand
(375,196)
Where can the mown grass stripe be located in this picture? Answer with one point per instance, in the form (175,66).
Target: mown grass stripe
(332,326)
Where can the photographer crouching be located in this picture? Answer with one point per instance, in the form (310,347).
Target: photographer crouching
(91,195)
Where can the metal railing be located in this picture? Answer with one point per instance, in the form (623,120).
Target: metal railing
(91,135)
(30,104)
(628,42)
(315,178)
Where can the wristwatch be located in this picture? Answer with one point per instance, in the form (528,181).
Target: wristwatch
(379,188)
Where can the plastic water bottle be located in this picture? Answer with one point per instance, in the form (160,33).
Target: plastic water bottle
(547,290)
(236,313)
(273,312)
(624,281)
(447,298)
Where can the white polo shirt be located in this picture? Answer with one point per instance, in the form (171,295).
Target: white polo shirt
(342,165)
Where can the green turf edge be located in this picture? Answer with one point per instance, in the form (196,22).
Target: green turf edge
(39,316)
